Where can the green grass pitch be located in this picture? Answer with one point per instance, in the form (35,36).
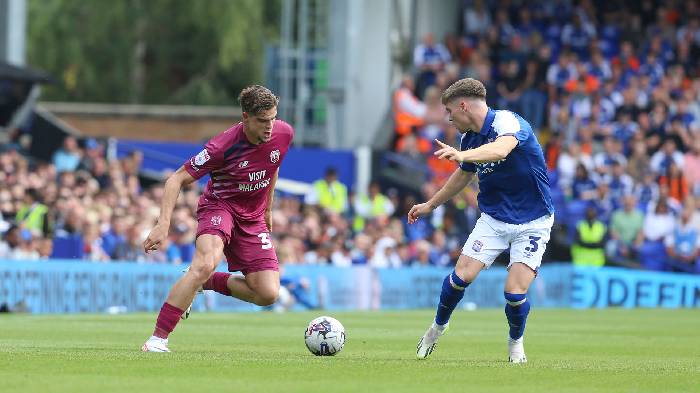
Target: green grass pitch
(610,350)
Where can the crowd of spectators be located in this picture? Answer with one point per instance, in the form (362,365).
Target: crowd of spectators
(612,91)
(82,205)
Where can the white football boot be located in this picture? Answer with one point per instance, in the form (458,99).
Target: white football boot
(516,351)
(428,342)
(155,344)
(187,312)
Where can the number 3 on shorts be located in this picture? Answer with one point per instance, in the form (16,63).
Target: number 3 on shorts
(265,240)
(533,243)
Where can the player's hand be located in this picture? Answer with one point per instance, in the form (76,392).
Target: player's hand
(448,152)
(155,238)
(418,211)
(268,220)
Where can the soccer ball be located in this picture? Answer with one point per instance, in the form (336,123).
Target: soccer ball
(324,336)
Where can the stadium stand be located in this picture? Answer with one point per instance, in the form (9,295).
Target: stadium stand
(613,93)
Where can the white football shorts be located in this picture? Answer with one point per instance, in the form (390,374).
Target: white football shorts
(491,237)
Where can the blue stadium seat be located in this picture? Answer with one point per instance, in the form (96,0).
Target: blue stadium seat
(575,212)
(652,256)
(68,247)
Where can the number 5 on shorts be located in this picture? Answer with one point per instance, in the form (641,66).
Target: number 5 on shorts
(265,240)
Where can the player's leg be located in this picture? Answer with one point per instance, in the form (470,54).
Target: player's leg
(484,244)
(250,251)
(517,308)
(527,249)
(209,250)
(453,287)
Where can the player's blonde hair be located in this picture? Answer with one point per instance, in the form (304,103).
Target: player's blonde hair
(255,99)
(467,88)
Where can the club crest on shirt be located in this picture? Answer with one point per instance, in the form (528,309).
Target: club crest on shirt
(216,220)
(243,164)
(201,158)
(275,156)
(477,246)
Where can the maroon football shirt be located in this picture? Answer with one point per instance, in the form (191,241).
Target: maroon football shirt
(241,172)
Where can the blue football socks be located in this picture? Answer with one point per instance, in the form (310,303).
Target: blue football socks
(517,308)
(452,292)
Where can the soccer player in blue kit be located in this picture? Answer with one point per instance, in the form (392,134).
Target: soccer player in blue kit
(517,212)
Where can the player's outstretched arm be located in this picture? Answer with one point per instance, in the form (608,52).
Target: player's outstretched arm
(172,189)
(489,152)
(456,183)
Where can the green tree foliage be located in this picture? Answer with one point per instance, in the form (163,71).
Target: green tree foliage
(198,52)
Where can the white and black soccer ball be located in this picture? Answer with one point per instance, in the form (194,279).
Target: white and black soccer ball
(324,336)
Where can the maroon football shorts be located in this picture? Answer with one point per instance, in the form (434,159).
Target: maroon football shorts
(247,244)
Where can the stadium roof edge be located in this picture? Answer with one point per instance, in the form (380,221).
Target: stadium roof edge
(62,108)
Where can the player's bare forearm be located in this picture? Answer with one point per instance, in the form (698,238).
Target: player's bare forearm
(489,152)
(456,183)
(170,193)
(271,193)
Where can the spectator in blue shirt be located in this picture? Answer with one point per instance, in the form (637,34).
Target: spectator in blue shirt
(67,158)
(583,188)
(429,58)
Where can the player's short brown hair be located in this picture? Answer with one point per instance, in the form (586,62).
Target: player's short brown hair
(467,88)
(255,99)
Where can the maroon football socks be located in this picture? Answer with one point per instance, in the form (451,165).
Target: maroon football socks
(218,282)
(168,317)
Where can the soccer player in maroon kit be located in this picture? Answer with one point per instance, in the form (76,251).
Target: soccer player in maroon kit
(233,214)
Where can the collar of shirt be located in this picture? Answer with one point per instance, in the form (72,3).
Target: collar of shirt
(490,115)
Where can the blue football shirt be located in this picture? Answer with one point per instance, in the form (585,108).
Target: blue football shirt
(516,189)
